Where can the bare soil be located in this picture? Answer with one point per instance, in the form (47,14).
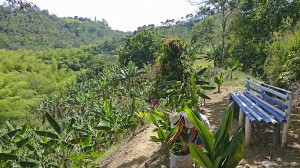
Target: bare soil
(140,152)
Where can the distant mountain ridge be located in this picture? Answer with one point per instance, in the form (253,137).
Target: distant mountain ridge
(36,29)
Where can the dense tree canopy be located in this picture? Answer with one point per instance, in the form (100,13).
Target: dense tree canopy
(141,48)
(253,28)
(37,29)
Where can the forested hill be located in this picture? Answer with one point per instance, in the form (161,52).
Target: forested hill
(36,29)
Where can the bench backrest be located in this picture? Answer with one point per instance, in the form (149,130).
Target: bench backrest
(276,101)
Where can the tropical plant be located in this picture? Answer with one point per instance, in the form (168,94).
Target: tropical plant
(220,150)
(163,127)
(219,81)
(232,68)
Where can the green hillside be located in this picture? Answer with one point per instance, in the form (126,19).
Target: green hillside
(36,29)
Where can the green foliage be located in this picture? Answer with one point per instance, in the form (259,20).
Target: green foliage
(282,64)
(234,66)
(141,48)
(36,29)
(180,30)
(206,35)
(253,28)
(27,77)
(220,149)
(219,81)
(91,115)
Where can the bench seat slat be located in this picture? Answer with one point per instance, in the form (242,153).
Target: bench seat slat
(255,99)
(249,115)
(282,113)
(266,117)
(282,105)
(250,108)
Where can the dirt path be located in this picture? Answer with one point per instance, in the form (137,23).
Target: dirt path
(141,150)
(136,152)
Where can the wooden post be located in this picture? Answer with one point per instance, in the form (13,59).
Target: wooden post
(247,131)
(288,120)
(276,134)
(241,117)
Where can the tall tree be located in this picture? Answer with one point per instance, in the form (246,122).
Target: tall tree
(206,35)
(255,26)
(225,9)
(141,48)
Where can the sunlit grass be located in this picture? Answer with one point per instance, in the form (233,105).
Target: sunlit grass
(202,63)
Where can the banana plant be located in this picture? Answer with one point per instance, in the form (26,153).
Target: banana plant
(221,150)
(233,68)
(164,132)
(187,92)
(219,81)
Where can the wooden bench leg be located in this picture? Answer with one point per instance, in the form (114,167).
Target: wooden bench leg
(247,131)
(241,117)
(276,134)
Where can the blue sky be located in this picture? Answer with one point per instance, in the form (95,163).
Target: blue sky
(125,15)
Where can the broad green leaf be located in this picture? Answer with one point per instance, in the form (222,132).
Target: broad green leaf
(224,126)
(159,114)
(104,128)
(199,73)
(127,126)
(24,128)
(199,156)
(22,142)
(155,139)
(106,108)
(30,147)
(172,132)
(6,138)
(236,140)
(13,133)
(153,120)
(53,123)
(31,164)
(51,143)
(208,87)
(161,134)
(217,162)
(202,95)
(6,156)
(96,154)
(172,83)
(205,135)
(47,134)
(87,140)
(235,65)
(87,148)
(201,82)
(234,159)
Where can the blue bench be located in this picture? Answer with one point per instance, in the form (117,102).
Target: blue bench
(263,103)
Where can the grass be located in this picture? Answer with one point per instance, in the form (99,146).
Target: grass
(202,63)
(238,77)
